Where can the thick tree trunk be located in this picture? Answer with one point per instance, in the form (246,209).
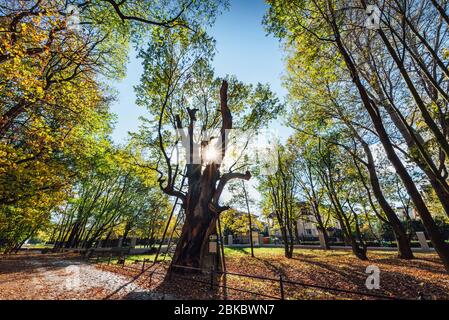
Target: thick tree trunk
(192,249)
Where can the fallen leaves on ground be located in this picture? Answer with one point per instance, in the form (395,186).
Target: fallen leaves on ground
(404,279)
(43,276)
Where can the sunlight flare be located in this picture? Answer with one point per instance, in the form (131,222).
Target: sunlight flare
(211,154)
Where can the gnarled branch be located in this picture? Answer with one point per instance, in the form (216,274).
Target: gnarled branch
(225,178)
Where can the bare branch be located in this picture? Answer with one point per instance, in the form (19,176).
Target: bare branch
(224,180)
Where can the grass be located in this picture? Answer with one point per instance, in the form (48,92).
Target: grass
(259,252)
(236,252)
(229,252)
(131,259)
(149,257)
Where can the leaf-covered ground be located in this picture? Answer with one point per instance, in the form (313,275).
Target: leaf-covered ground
(47,277)
(57,276)
(423,276)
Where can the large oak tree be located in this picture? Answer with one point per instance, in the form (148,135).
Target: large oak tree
(188,103)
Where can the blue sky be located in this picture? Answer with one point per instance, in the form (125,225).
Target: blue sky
(243,49)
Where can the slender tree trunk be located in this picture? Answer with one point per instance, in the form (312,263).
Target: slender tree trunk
(441,10)
(296,233)
(285,239)
(440,138)
(361,246)
(320,223)
(249,220)
(437,239)
(436,182)
(404,248)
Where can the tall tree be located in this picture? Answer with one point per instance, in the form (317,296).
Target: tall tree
(188,103)
(280,191)
(328,25)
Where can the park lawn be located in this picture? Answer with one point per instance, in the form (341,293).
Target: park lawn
(337,269)
(138,258)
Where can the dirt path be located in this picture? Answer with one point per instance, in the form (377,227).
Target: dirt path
(55,276)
